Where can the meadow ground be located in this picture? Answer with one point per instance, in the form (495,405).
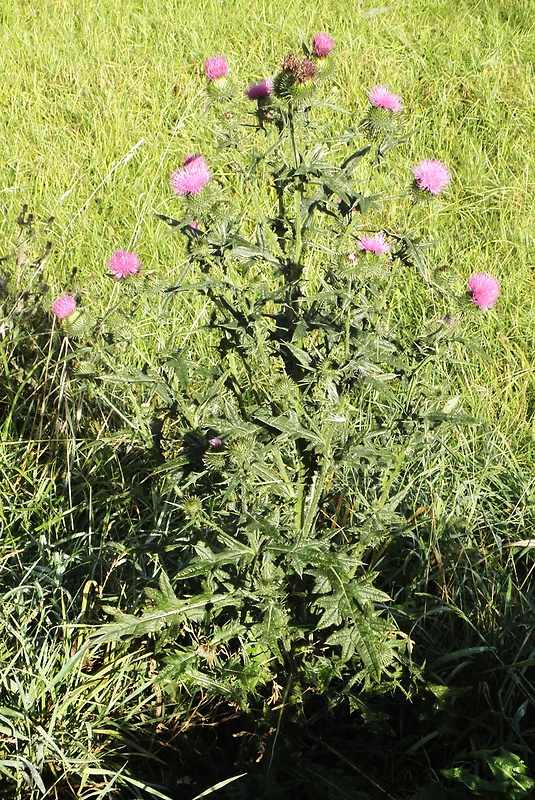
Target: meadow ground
(99,105)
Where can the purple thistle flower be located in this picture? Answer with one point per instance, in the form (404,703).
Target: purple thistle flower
(64,306)
(374,244)
(123,263)
(192,176)
(485,289)
(215,442)
(216,67)
(381,97)
(322,44)
(259,91)
(431,176)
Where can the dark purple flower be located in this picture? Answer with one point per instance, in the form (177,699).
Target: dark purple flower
(259,91)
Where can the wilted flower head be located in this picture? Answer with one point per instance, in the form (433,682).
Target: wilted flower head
(322,44)
(301,68)
(192,176)
(374,244)
(381,97)
(64,306)
(259,91)
(431,176)
(485,289)
(123,263)
(216,67)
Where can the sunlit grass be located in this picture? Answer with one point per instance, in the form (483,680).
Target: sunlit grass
(99,105)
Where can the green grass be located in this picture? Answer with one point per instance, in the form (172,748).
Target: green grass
(99,105)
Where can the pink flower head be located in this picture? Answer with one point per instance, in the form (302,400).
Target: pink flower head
(259,91)
(485,289)
(192,176)
(431,176)
(322,44)
(381,97)
(64,306)
(216,442)
(216,67)
(374,244)
(122,264)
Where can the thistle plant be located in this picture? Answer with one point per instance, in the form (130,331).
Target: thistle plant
(292,457)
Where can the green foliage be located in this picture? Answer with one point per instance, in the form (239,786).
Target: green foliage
(507,779)
(70,715)
(287,453)
(49,682)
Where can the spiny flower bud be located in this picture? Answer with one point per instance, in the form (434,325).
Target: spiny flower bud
(214,461)
(295,79)
(379,122)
